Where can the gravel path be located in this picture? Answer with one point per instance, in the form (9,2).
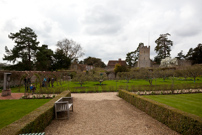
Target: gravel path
(105,113)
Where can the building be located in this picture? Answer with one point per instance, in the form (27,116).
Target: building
(144,57)
(111,64)
(81,67)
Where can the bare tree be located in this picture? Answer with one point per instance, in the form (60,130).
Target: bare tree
(165,73)
(126,75)
(81,78)
(147,75)
(183,72)
(70,48)
(194,71)
(99,77)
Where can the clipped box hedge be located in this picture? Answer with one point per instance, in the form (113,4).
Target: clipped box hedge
(36,121)
(181,122)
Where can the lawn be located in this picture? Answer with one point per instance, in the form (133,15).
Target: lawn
(12,110)
(113,85)
(191,103)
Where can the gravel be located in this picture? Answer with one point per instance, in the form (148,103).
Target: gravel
(106,113)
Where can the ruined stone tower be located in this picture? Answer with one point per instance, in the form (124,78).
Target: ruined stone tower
(144,56)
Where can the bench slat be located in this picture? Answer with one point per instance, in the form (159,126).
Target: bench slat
(63,104)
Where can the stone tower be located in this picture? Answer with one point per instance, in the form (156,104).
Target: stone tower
(144,56)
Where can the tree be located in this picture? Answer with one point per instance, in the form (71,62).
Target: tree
(60,61)
(44,58)
(163,47)
(71,49)
(189,54)
(81,78)
(99,77)
(180,55)
(120,68)
(94,62)
(194,71)
(165,73)
(195,54)
(25,49)
(132,57)
(147,75)
(126,75)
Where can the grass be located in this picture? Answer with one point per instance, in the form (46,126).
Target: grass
(12,110)
(191,103)
(112,85)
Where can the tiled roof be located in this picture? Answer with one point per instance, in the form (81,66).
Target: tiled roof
(114,62)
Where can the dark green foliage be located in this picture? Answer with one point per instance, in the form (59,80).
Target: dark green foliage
(44,58)
(180,55)
(61,61)
(35,121)
(189,54)
(163,47)
(182,122)
(94,62)
(25,49)
(196,54)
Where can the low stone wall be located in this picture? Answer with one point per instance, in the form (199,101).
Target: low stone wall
(36,121)
(182,122)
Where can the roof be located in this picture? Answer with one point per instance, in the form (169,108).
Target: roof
(114,62)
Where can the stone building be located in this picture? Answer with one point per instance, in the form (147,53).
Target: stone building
(144,57)
(81,67)
(111,64)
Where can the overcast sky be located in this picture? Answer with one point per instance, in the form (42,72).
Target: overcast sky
(106,29)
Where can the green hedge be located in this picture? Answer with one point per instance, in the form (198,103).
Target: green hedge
(36,121)
(182,122)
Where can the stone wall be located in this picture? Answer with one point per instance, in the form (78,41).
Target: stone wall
(184,63)
(144,57)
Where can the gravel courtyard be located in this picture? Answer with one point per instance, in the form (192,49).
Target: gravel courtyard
(106,113)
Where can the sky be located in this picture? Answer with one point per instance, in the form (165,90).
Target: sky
(105,29)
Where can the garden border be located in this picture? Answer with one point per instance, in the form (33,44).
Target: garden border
(36,121)
(182,122)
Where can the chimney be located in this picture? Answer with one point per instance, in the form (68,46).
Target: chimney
(119,59)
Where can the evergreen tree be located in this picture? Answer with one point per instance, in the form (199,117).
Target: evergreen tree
(60,60)
(189,54)
(196,54)
(44,58)
(180,55)
(163,47)
(24,51)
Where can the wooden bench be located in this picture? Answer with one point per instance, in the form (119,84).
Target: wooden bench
(63,105)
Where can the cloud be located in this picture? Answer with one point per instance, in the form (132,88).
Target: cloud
(105,29)
(101,20)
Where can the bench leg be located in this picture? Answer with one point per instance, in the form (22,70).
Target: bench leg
(68,114)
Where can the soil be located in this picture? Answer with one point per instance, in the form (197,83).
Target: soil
(12,96)
(106,113)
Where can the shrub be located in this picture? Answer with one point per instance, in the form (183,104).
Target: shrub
(182,122)
(36,121)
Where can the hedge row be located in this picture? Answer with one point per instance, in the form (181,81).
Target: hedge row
(36,121)
(182,122)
